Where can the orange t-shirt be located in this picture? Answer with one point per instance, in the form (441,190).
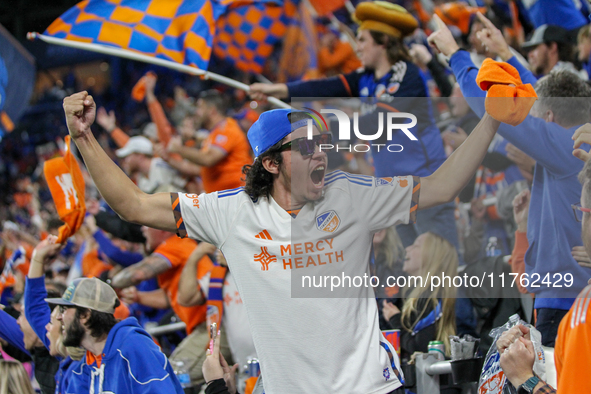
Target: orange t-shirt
(571,352)
(227,174)
(93,266)
(177,251)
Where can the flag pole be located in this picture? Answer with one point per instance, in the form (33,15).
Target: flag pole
(107,50)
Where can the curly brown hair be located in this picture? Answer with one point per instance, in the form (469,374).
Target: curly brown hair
(395,48)
(259,181)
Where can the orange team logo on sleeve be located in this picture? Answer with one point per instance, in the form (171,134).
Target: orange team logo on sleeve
(265,258)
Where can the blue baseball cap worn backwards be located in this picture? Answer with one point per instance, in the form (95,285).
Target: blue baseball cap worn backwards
(271,127)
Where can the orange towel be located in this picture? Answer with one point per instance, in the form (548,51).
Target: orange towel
(66,185)
(139,90)
(496,78)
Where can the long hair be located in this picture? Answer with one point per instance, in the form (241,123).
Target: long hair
(395,49)
(14,378)
(390,250)
(438,257)
(259,181)
(99,323)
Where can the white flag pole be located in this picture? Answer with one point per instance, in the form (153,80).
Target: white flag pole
(107,50)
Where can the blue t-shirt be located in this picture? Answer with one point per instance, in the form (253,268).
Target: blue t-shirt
(564,13)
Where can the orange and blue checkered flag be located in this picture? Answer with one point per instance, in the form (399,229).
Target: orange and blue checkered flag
(247,34)
(181,31)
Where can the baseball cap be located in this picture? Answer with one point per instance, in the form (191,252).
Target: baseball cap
(271,127)
(137,144)
(150,131)
(547,33)
(90,293)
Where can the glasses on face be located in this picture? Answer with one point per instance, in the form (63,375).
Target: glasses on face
(307,146)
(578,211)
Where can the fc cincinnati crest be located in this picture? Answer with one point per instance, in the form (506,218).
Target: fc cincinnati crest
(328,221)
(383,181)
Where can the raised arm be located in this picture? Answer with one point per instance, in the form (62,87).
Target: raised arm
(449,179)
(117,189)
(189,292)
(204,157)
(37,311)
(11,332)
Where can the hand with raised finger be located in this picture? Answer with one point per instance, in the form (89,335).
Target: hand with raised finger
(442,39)
(582,136)
(493,39)
(80,110)
(212,367)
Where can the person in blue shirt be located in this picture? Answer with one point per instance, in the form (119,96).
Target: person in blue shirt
(42,318)
(399,85)
(565,13)
(121,357)
(545,135)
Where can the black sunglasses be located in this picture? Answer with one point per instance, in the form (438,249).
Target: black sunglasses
(307,146)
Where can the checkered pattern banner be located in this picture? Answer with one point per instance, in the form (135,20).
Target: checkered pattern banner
(246,34)
(178,30)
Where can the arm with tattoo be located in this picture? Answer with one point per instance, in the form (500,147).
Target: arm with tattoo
(148,268)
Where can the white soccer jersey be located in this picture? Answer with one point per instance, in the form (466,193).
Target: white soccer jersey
(308,345)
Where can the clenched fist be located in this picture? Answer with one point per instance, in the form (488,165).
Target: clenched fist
(80,110)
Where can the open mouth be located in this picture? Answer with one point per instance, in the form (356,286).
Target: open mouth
(318,175)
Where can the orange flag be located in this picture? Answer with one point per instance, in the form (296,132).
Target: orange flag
(66,184)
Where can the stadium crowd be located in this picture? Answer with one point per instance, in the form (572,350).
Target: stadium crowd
(193,211)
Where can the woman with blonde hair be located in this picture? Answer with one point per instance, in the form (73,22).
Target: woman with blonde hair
(14,378)
(388,258)
(427,315)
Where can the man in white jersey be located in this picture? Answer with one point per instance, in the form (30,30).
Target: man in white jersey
(291,218)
